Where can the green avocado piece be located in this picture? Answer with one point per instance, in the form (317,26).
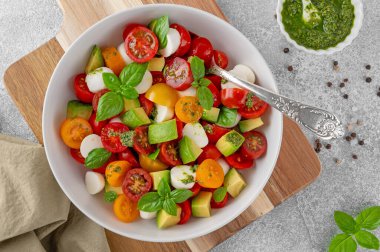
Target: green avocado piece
(131,104)
(211,115)
(158,176)
(200,205)
(117,189)
(234,182)
(188,150)
(135,117)
(230,143)
(95,61)
(165,220)
(250,124)
(78,109)
(162,132)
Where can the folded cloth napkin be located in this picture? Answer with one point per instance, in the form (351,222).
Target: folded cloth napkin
(35,214)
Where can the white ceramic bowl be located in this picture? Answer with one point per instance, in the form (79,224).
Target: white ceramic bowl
(70,175)
(354,31)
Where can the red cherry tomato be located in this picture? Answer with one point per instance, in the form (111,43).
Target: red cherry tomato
(102,169)
(195,189)
(239,161)
(179,127)
(210,151)
(202,48)
(140,141)
(178,74)
(81,89)
(141,44)
(96,98)
(215,94)
(214,132)
(254,107)
(185,212)
(128,28)
(169,153)
(193,35)
(111,137)
(220,59)
(158,77)
(97,126)
(255,144)
(216,80)
(185,41)
(233,97)
(75,153)
(128,156)
(137,182)
(146,104)
(221,204)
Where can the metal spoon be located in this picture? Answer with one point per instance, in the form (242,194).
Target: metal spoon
(321,122)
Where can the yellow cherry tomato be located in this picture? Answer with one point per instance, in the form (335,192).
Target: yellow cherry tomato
(162,94)
(115,172)
(150,164)
(125,209)
(210,174)
(188,109)
(73,131)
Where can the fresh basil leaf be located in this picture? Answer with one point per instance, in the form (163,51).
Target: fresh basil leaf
(110,196)
(97,158)
(369,218)
(160,27)
(133,74)
(204,82)
(197,68)
(180,195)
(345,222)
(195,84)
(219,194)
(205,97)
(226,117)
(150,202)
(367,240)
(342,243)
(110,104)
(111,81)
(170,207)
(163,188)
(126,138)
(129,93)
(154,155)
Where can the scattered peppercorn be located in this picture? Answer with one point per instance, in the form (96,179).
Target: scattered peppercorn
(341,84)
(337,161)
(286,50)
(290,68)
(345,96)
(319,145)
(317,140)
(329,84)
(348,138)
(345,80)
(317,150)
(368,79)
(368,67)
(353,134)
(354,156)
(378,93)
(335,63)
(361,142)
(328,146)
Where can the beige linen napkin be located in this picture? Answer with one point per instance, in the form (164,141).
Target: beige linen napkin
(35,215)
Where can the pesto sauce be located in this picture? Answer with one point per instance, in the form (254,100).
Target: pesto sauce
(329,23)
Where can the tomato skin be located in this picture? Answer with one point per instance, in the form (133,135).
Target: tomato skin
(178,74)
(185,213)
(179,127)
(128,28)
(151,165)
(140,141)
(210,151)
(75,153)
(220,59)
(125,209)
(96,98)
(137,182)
(258,108)
(128,156)
(146,104)
(188,109)
(185,42)
(202,48)
(255,144)
(74,130)
(110,136)
(195,189)
(141,44)
(233,97)
(210,174)
(216,80)
(97,126)
(81,89)
(169,153)
(158,77)
(102,169)
(215,93)
(214,132)
(239,161)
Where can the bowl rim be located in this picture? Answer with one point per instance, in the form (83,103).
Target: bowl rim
(215,226)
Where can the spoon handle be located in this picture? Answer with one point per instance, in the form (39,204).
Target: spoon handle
(321,122)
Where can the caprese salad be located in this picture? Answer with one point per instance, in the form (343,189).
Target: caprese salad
(158,135)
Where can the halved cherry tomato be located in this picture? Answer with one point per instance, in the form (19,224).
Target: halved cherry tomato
(178,74)
(102,169)
(97,126)
(188,109)
(214,132)
(202,48)
(233,97)
(141,44)
(162,94)
(210,174)
(128,28)
(73,131)
(169,153)
(146,104)
(81,89)
(115,172)
(179,127)
(239,161)
(215,94)
(215,204)
(216,80)
(195,189)
(151,165)
(220,58)
(158,77)
(96,98)
(75,153)
(140,141)
(137,182)
(210,151)
(254,107)
(255,144)
(193,35)
(185,41)
(128,156)
(125,209)
(111,136)
(185,213)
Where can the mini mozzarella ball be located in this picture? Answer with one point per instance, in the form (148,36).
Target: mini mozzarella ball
(174,39)
(237,73)
(191,91)
(94,79)
(145,83)
(94,182)
(196,132)
(116,119)
(89,143)
(182,177)
(123,53)
(224,165)
(163,113)
(147,215)
(243,69)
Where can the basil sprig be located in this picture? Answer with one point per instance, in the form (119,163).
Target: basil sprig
(164,198)
(154,155)
(97,158)
(219,194)
(110,196)
(160,27)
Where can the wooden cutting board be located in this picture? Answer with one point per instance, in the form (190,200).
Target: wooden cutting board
(26,81)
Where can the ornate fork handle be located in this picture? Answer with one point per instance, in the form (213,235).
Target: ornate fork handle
(321,122)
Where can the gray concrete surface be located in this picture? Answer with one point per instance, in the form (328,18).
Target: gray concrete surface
(304,222)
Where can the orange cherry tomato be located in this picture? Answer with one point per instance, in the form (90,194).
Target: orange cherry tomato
(151,165)
(74,130)
(188,109)
(162,94)
(125,209)
(210,174)
(115,172)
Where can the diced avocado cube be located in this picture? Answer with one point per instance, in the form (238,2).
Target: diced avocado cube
(230,143)
(158,176)
(234,182)
(188,150)
(200,205)
(156,64)
(116,189)
(165,220)
(162,132)
(250,124)
(135,117)
(78,109)
(131,104)
(211,115)
(95,61)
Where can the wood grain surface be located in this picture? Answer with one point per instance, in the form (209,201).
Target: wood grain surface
(26,81)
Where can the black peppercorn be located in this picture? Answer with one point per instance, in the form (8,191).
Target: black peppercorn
(317,150)
(328,146)
(290,68)
(354,156)
(368,79)
(335,63)
(361,142)
(368,67)
(345,80)
(345,96)
(329,84)
(353,134)
(341,84)
(286,50)
(348,138)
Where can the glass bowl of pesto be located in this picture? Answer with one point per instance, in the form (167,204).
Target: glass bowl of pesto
(320,27)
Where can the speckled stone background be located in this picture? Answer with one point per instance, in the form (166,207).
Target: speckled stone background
(304,222)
